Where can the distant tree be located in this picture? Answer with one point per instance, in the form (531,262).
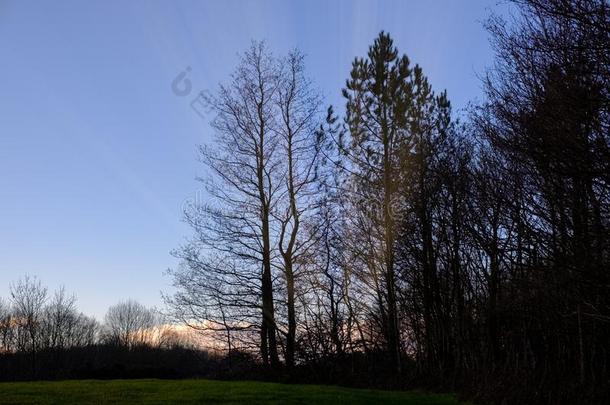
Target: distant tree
(63,326)
(28,298)
(58,318)
(6,327)
(83,331)
(130,324)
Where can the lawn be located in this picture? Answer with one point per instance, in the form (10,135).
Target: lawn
(202,391)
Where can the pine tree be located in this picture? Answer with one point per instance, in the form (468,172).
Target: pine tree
(379,97)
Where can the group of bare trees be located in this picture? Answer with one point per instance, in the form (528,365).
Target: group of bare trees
(461,249)
(242,271)
(32,320)
(44,336)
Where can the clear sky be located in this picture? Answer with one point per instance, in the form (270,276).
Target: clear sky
(97,154)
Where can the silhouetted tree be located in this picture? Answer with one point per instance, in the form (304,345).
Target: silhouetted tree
(231,254)
(28,298)
(130,324)
(298,121)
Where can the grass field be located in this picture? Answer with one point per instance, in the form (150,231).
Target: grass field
(202,391)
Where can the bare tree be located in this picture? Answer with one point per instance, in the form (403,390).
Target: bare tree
(28,298)
(59,316)
(63,326)
(234,240)
(299,107)
(6,327)
(130,324)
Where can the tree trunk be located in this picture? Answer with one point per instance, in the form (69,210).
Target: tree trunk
(292,323)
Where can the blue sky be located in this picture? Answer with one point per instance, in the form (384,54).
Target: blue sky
(97,154)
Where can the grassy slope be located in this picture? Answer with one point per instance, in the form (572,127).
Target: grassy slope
(202,391)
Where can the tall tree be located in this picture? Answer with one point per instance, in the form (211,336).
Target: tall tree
(379,96)
(234,236)
(298,121)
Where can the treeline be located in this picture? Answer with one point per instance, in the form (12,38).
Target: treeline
(44,336)
(31,320)
(392,242)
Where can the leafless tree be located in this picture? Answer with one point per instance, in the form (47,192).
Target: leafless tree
(28,298)
(63,326)
(6,327)
(298,109)
(262,167)
(130,324)
(58,319)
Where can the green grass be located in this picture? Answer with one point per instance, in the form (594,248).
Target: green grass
(202,391)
